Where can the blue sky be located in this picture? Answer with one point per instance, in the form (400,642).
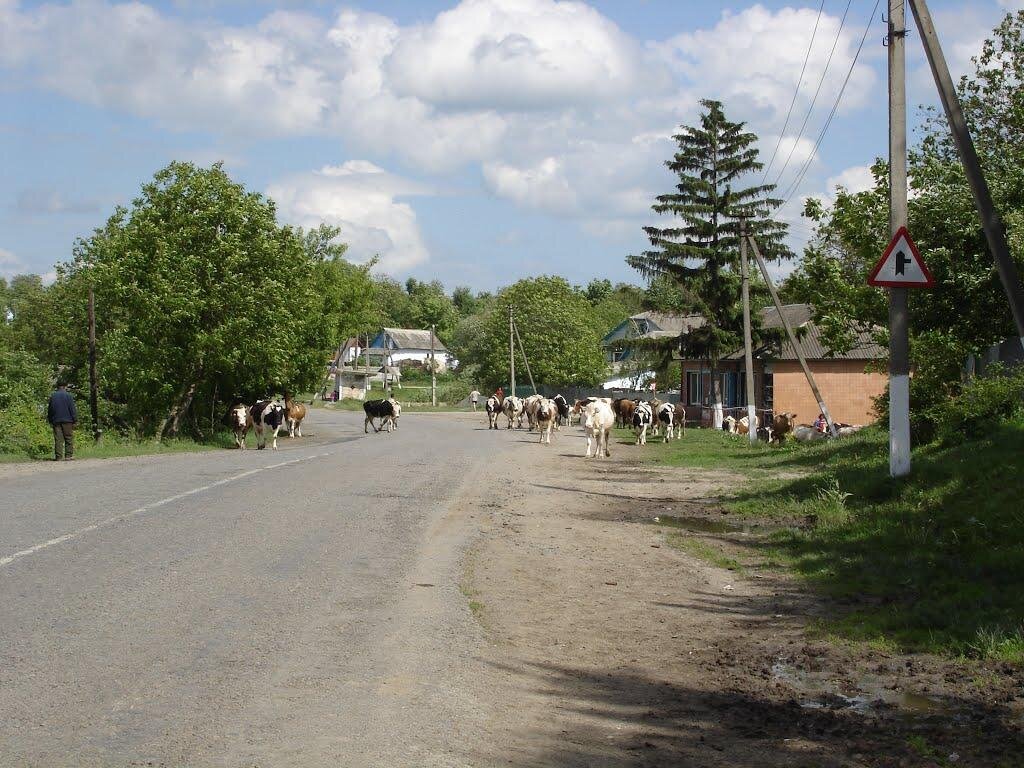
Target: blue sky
(475,142)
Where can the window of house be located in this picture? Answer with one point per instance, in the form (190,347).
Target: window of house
(694,390)
(769,383)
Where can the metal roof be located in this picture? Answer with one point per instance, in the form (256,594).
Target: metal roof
(412,338)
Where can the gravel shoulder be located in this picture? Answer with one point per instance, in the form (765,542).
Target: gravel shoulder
(609,643)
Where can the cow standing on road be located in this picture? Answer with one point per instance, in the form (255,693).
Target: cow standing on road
(267,416)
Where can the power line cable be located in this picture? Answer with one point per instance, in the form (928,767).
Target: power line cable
(796,92)
(817,92)
(792,189)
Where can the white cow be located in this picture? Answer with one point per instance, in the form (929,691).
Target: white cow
(513,408)
(546,416)
(530,405)
(597,419)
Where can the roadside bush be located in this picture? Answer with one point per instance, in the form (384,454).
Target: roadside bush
(983,404)
(24,388)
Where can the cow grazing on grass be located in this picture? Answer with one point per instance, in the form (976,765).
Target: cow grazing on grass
(666,416)
(241,422)
(493,408)
(729,424)
(379,409)
(267,417)
(642,420)
(782,425)
(597,418)
(295,413)
(547,415)
(743,425)
(513,408)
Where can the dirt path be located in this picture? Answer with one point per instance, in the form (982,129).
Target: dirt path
(611,644)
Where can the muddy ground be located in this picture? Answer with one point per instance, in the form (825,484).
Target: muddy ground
(608,645)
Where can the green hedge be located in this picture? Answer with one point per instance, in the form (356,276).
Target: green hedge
(24,389)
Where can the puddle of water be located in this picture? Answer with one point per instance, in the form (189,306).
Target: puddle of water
(821,693)
(699,524)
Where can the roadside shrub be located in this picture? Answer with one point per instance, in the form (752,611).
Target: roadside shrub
(24,388)
(982,404)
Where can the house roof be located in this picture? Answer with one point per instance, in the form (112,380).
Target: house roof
(653,325)
(809,339)
(412,338)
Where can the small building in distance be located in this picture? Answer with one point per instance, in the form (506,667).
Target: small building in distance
(847,384)
(402,344)
(628,368)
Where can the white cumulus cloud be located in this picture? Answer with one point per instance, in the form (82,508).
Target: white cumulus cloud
(363,200)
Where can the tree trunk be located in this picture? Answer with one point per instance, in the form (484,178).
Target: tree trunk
(172,422)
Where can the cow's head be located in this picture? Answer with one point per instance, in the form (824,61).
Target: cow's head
(239,414)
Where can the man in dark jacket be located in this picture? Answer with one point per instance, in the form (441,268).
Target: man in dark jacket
(62,416)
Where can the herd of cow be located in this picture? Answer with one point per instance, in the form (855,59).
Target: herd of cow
(266,418)
(597,416)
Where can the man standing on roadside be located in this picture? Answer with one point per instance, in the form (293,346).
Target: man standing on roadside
(61,414)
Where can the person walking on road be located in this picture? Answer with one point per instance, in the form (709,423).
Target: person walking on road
(61,414)
(474,398)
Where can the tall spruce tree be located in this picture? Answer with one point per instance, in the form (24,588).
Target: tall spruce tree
(700,253)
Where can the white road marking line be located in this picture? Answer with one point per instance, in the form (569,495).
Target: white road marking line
(136,512)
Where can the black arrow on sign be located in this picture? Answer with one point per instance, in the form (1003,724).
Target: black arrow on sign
(902,260)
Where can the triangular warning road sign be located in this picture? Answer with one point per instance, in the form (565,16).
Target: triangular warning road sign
(901,266)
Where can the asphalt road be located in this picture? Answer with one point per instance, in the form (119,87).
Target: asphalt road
(298,607)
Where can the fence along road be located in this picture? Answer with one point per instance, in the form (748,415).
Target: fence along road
(235,608)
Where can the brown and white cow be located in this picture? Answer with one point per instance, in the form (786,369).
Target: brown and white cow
(530,405)
(547,416)
(294,414)
(782,425)
(241,422)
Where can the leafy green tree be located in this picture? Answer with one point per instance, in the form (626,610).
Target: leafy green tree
(557,328)
(24,387)
(201,294)
(699,253)
(967,309)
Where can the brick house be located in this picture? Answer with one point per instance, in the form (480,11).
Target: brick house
(846,384)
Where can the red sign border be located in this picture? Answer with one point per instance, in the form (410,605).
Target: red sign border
(901,233)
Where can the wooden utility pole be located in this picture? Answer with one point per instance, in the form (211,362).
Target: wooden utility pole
(511,354)
(995,233)
(748,353)
(526,360)
(433,370)
(899,332)
(792,336)
(94,408)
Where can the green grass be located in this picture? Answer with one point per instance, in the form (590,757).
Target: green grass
(933,562)
(114,446)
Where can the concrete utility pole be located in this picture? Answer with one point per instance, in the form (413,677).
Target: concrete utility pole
(433,370)
(792,337)
(511,354)
(899,334)
(748,353)
(94,409)
(366,378)
(995,233)
(526,360)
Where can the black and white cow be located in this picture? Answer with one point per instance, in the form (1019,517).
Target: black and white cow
(563,410)
(643,417)
(267,416)
(493,408)
(667,417)
(379,409)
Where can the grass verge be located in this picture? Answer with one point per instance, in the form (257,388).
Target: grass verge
(115,446)
(933,562)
